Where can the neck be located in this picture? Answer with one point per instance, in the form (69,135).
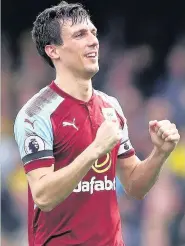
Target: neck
(75,86)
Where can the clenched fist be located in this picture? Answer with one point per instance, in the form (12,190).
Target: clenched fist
(164,135)
(108,135)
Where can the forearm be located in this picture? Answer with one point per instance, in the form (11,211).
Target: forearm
(146,174)
(55,187)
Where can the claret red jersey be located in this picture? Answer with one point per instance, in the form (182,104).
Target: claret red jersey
(54,128)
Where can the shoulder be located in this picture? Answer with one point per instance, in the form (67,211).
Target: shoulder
(41,105)
(33,129)
(110,100)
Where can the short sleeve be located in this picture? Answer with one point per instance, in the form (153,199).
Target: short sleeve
(125,150)
(34,138)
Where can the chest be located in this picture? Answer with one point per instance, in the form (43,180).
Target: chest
(76,129)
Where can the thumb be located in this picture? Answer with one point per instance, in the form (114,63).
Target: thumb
(152,125)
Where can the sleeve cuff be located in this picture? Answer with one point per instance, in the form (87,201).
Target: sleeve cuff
(38,164)
(127,154)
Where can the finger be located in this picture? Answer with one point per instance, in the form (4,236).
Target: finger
(173,138)
(161,130)
(152,125)
(167,133)
(156,125)
(163,123)
(173,126)
(164,126)
(113,124)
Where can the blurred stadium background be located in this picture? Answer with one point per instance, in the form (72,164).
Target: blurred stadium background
(143,64)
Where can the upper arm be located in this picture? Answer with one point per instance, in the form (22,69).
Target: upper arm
(34,138)
(127,160)
(125,167)
(35,175)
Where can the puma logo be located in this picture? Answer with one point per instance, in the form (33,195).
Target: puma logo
(65,123)
(29,122)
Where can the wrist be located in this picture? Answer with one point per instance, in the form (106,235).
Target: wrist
(160,153)
(95,151)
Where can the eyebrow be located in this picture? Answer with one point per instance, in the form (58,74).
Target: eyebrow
(94,29)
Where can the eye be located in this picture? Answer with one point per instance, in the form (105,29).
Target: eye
(79,35)
(95,33)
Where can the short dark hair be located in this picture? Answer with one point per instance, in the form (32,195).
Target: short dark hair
(47,26)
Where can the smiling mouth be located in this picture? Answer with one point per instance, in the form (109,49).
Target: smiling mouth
(92,55)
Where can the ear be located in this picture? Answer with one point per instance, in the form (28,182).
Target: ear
(52,52)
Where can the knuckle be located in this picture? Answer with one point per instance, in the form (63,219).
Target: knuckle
(176,131)
(164,122)
(167,122)
(173,125)
(160,123)
(162,129)
(166,133)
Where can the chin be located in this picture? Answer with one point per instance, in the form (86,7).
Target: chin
(93,70)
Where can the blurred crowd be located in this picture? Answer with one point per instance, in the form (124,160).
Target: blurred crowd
(159,219)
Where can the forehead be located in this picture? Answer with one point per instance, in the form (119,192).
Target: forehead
(69,28)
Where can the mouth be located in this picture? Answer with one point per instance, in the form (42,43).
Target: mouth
(92,55)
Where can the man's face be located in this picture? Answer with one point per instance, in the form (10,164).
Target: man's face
(80,49)
(34,142)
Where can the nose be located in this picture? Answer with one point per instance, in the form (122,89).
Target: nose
(93,41)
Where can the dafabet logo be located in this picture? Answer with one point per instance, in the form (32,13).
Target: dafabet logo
(100,166)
